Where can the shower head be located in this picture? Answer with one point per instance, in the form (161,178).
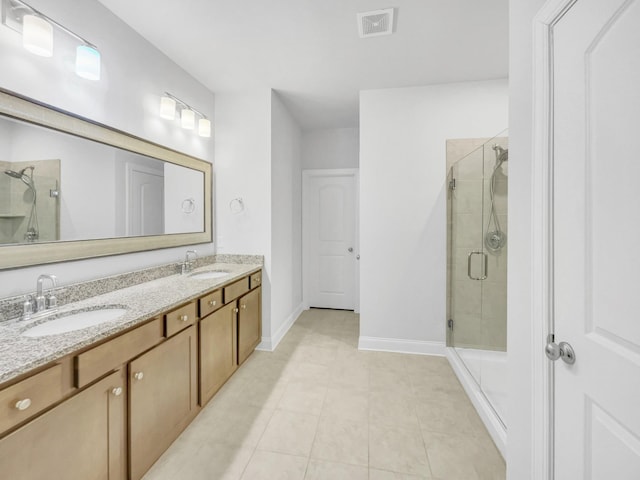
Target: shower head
(21,175)
(502,154)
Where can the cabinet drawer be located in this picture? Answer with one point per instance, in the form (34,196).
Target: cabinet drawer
(256,280)
(28,397)
(233,291)
(110,355)
(210,303)
(179,319)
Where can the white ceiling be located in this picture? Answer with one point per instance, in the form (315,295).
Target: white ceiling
(309,50)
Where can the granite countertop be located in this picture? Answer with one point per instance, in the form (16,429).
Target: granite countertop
(20,354)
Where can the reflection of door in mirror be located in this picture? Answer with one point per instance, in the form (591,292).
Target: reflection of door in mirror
(30,210)
(145,199)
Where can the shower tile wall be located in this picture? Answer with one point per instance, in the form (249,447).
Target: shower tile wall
(15,201)
(479,307)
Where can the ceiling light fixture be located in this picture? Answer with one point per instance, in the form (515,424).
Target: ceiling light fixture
(168,104)
(37,36)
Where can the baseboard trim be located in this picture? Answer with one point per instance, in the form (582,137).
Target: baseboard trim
(269,344)
(399,345)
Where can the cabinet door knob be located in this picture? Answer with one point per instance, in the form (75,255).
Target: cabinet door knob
(244,307)
(138,375)
(23,404)
(235,310)
(184,318)
(257,279)
(117,391)
(212,303)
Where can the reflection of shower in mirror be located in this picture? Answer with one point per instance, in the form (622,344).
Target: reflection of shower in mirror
(32,234)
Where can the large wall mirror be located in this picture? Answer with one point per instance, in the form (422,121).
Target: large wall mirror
(72,189)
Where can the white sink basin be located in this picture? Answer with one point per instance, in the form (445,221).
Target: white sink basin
(75,321)
(209,275)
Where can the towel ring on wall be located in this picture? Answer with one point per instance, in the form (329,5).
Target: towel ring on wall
(236,206)
(188,205)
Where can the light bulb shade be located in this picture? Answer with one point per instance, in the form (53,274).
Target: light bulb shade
(37,35)
(167,108)
(88,62)
(204,127)
(188,119)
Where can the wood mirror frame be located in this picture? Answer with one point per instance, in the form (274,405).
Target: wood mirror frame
(22,255)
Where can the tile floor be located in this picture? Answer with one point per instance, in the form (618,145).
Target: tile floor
(318,408)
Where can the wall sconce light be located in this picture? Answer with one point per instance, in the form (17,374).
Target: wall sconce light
(168,104)
(37,36)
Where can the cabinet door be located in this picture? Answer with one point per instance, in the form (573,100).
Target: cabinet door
(249,323)
(218,350)
(83,438)
(162,398)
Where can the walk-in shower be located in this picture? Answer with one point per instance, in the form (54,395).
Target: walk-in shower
(477,272)
(33,232)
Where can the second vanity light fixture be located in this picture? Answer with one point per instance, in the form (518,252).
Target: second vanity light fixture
(37,36)
(168,104)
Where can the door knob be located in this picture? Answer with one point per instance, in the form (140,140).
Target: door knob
(562,350)
(350,249)
(357,257)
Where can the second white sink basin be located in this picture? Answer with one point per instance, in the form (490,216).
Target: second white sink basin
(75,321)
(209,275)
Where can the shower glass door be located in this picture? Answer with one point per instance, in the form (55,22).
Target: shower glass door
(477,265)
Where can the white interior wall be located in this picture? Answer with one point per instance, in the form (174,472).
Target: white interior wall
(243,170)
(286,222)
(127,98)
(403,204)
(331,148)
(520,460)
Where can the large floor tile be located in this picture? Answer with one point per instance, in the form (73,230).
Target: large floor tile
(393,407)
(462,457)
(321,470)
(289,432)
(303,398)
(271,466)
(346,404)
(342,441)
(375,474)
(397,449)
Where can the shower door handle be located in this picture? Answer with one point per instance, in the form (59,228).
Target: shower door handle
(485,265)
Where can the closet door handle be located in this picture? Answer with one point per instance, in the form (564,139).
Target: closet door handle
(484,269)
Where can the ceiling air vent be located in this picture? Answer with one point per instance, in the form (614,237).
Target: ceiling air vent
(375,23)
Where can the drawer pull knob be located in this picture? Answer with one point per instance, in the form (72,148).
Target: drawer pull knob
(235,310)
(184,318)
(258,279)
(212,303)
(117,391)
(244,307)
(23,404)
(138,375)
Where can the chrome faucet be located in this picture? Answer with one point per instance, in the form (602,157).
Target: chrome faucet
(44,303)
(187,266)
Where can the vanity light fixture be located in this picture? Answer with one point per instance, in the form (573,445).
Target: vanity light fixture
(37,36)
(168,104)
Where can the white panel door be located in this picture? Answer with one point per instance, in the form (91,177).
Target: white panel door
(596,210)
(329,226)
(145,202)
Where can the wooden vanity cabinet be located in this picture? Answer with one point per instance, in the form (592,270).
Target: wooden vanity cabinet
(83,438)
(218,350)
(162,398)
(249,323)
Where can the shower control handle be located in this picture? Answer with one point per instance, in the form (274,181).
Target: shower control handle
(485,265)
